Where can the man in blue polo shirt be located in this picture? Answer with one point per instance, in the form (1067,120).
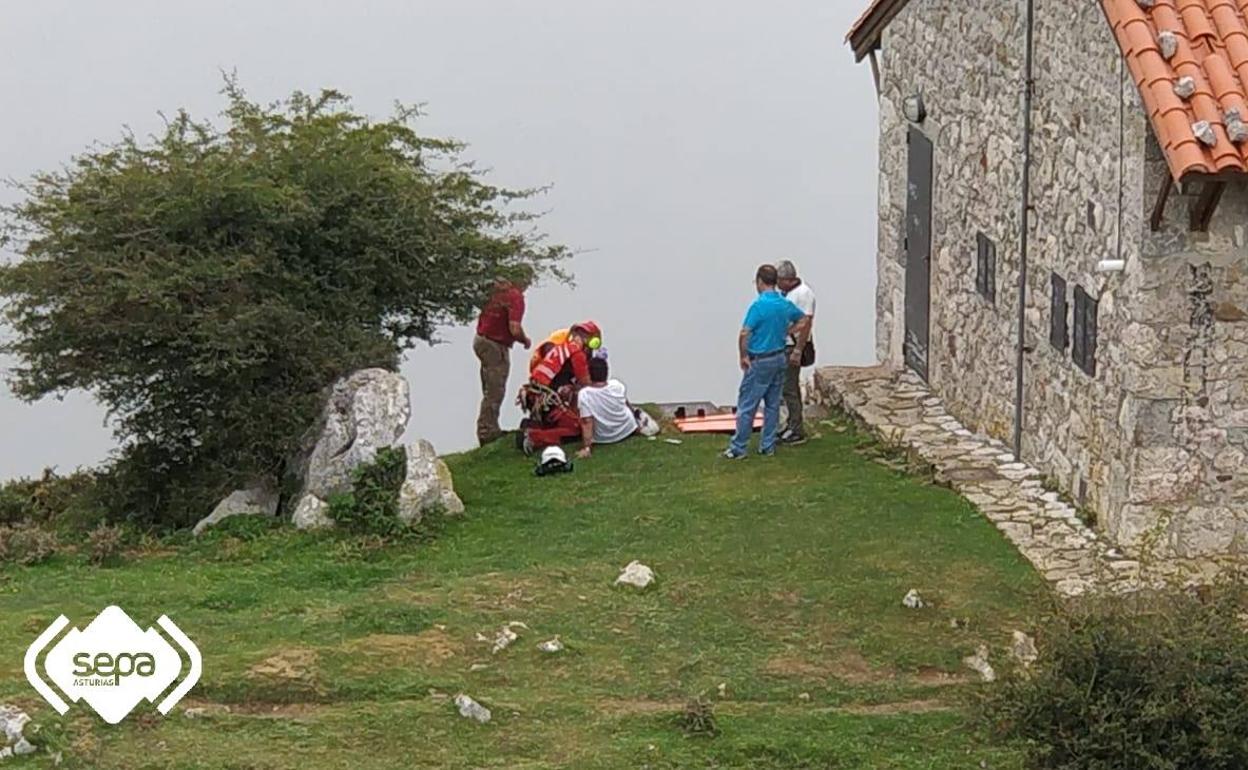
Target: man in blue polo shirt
(761,345)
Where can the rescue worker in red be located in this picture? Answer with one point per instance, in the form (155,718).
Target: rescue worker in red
(567,363)
(554,379)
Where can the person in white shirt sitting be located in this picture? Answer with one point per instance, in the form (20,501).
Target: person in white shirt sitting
(606,415)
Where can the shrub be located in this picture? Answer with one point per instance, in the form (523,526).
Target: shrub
(372,505)
(1150,682)
(49,498)
(26,544)
(104,544)
(207,284)
(698,718)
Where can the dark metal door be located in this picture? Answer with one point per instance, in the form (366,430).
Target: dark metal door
(918,251)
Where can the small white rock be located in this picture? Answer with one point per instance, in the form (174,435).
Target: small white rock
(470,709)
(912,600)
(675,441)
(1203,131)
(979,663)
(1169,43)
(635,574)
(503,639)
(1024,649)
(12,721)
(551,645)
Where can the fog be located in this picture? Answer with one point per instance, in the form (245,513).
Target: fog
(685,142)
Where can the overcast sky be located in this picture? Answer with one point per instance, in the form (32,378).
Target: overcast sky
(686,141)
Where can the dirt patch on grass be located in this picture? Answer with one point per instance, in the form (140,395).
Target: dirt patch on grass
(296,665)
(638,706)
(930,676)
(849,667)
(198,709)
(787,598)
(432,648)
(900,707)
(487,591)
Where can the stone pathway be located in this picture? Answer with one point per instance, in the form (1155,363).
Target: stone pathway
(898,407)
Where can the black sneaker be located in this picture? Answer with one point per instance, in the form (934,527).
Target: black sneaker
(792,438)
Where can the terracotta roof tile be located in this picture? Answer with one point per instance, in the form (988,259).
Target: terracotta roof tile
(1212,49)
(1210,46)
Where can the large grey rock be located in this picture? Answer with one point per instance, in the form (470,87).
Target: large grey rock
(365,411)
(311,513)
(428,485)
(259,500)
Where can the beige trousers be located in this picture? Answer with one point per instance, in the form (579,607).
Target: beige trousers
(495,367)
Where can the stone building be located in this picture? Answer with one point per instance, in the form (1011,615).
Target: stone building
(1130,153)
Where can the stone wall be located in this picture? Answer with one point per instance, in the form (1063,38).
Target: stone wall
(1087,144)
(1185,408)
(1154,441)
(967,64)
(1087,195)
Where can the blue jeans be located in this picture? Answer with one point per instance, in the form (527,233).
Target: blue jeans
(763,381)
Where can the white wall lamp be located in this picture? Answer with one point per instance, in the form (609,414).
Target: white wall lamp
(914,109)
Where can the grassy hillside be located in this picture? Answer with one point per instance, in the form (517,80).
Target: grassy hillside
(778,578)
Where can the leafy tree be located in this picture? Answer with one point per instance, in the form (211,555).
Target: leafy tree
(207,284)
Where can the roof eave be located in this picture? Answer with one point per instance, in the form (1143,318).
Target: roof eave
(864,37)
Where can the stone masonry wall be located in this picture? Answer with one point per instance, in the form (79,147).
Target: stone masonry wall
(1087,189)
(1154,442)
(967,60)
(1185,410)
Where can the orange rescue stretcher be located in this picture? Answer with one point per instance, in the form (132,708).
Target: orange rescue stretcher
(713,423)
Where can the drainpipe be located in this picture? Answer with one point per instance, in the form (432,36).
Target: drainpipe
(875,72)
(1024,225)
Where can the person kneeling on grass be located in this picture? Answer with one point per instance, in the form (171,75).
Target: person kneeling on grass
(606,415)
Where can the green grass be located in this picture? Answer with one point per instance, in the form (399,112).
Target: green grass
(780,578)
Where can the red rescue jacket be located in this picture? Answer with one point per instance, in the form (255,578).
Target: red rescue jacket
(571,353)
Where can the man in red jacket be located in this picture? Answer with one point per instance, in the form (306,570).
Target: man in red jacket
(499,327)
(567,363)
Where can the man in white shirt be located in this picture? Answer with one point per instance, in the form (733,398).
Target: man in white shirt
(606,415)
(803,296)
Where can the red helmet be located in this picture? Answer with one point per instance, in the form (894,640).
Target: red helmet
(590,328)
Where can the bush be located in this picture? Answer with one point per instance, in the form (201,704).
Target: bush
(26,544)
(698,718)
(49,499)
(372,505)
(208,284)
(1151,682)
(104,544)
